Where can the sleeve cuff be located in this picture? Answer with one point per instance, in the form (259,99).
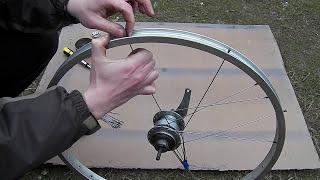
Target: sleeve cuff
(68,18)
(90,124)
(61,8)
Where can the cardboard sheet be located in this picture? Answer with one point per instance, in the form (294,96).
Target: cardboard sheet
(243,125)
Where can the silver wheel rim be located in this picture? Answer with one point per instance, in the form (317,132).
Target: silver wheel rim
(197,41)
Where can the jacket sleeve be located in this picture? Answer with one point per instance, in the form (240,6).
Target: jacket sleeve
(34,16)
(35,128)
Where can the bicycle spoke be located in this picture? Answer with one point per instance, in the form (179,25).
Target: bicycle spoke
(183,164)
(228,97)
(236,93)
(131,47)
(183,148)
(224,103)
(178,155)
(232,95)
(155,100)
(226,131)
(112,121)
(228,102)
(214,77)
(225,136)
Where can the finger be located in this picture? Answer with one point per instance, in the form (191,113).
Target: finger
(139,57)
(127,13)
(142,73)
(150,79)
(110,27)
(99,47)
(142,10)
(148,90)
(135,6)
(147,68)
(135,51)
(147,7)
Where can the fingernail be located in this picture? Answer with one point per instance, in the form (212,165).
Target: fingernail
(153,90)
(120,33)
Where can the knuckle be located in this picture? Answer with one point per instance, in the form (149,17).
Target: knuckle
(146,54)
(92,23)
(128,69)
(124,8)
(139,78)
(97,42)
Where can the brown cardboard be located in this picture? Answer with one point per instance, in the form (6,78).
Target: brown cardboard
(240,148)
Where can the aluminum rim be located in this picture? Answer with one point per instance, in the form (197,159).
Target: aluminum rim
(197,41)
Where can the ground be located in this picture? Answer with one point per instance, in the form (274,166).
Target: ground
(296,27)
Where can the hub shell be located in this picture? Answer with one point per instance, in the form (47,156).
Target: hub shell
(164,136)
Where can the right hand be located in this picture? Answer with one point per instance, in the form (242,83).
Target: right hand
(93,13)
(114,83)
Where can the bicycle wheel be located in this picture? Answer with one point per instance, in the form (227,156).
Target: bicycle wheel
(171,126)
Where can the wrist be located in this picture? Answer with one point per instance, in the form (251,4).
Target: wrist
(89,124)
(95,106)
(69,16)
(92,105)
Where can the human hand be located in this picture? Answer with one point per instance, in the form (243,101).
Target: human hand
(114,83)
(92,13)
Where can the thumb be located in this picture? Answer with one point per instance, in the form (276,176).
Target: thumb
(99,45)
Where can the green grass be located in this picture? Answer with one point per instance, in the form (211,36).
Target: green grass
(296,27)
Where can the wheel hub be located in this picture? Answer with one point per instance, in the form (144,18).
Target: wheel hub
(164,136)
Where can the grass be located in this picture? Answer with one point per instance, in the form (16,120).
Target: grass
(296,27)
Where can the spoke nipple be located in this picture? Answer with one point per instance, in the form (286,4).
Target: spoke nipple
(185,164)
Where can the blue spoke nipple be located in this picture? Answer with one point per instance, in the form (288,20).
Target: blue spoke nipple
(185,164)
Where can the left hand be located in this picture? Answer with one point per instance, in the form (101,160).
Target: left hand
(93,13)
(112,84)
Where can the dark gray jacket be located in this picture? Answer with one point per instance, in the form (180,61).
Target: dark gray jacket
(35,128)
(34,16)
